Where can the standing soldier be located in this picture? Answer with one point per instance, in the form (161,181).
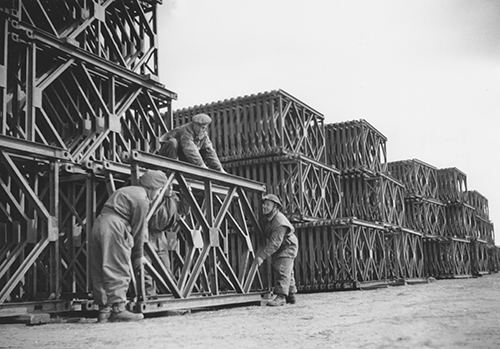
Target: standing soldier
(117,236)
(282,245)
(190,143)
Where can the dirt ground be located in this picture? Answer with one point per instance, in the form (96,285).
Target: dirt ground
(462,313)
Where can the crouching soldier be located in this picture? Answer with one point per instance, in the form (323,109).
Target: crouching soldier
(282,245)
(117,237)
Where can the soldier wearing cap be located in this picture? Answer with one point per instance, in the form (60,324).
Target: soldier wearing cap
(117,237)
(190,143)
(282,245)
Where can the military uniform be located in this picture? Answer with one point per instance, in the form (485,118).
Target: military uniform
(282,245)
(118,233)
(117,237)
(182,143)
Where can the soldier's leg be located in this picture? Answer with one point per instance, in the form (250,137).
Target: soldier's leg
(292,289)
(96,273)
(117,246)
(282,268)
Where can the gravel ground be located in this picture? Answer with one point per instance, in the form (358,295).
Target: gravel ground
(462,313)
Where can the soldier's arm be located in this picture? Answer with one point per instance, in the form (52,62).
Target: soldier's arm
(210,155)
(274,242)
(139,227)
(191,151)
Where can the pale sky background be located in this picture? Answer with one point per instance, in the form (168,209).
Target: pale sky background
(425,73)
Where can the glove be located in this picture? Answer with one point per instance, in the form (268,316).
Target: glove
(138,262)
(258,260)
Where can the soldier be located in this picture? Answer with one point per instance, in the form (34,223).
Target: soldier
(117,236)
(282,245)
(190,143)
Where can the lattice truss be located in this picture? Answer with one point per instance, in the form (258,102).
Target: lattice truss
(57,95)
(419,178)
(459,220)
(426,215)
(356,145)
(337,255)
(123,32)
(483,229)
(48,210)
(405,254)
(214,250)
(29,192)
(452,185)
(263,124)
(480,258)
(377,198)
(448,258)
(479,202)
(307,189)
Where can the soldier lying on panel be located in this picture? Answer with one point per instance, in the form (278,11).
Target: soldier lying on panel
(190,143)
(282,245)
(117,236)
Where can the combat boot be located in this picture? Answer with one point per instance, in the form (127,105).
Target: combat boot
(104,313)
(277,301)
(119,313)
(291,298)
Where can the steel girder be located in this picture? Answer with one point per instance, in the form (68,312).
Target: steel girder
(452,185)
(419,178)
(448,257)
(214,246)
(405,254)
(356,145)
(122,32)
(264,124)
(479,202)
(339,254)
(308,189)
(426,216)
(61,96)
(459,220)
(378,198)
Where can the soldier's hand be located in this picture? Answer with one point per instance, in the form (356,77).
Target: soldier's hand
(138,262)
(258,260)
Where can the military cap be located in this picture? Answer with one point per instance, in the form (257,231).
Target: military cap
(153,179)
(201,118)
(272,198)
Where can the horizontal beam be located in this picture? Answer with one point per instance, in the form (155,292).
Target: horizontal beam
(193,171)
(33,149)
(105,65)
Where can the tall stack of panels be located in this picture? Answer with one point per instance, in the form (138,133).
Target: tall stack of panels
(274,138)
(424,211)
(358,150)
(78,87)
(446,255)
(483,237)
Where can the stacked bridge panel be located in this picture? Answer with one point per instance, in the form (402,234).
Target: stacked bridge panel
(80,112)
(275,138)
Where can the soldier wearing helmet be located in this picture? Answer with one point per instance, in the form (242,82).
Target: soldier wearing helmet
(116,237)
(190,143)
(282,246)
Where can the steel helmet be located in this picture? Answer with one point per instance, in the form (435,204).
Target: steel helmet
(273,198)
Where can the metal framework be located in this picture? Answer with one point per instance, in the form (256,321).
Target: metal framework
(308,189)
(263,124)
(340,254)
(459,220)
(419,178)
(480,257)
(426,215)
(452,185)
(479,202)
(378,198)
(405,253)
(356,145)
(447,257)
(122,32)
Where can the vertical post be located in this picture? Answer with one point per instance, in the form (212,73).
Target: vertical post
(53,232)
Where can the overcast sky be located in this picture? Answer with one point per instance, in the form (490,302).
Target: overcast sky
(425,73)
